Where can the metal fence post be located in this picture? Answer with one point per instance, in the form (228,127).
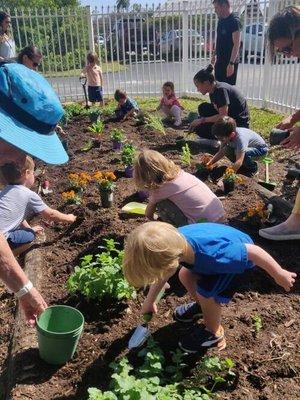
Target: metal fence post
(90,28)
(185,43)
(267,75)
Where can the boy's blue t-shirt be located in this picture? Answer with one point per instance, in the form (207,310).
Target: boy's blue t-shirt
(219,249)
(129,105)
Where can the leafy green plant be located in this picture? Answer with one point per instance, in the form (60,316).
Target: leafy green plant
(117,134)
(154,122)
(97,128)
(128,154)
(101,275)
(109,109)
(142,118)
(94,113)
(87,146)
(73,110)
(145,383)
(213,371)
(186,155)
(257,324)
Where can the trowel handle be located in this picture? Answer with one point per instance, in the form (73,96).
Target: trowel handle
(267,172)
(83,80)
(148,316)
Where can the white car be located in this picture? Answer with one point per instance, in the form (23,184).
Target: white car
(253,40)
(172,41)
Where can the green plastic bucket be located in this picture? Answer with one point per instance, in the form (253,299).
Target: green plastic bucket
(59,329)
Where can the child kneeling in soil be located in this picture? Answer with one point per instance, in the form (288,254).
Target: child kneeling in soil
(18,202)
(126,108)
(213,256)
(169,104)
(240,145)
(179,197)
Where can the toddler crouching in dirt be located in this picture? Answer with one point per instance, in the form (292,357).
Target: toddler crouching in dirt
(170,105)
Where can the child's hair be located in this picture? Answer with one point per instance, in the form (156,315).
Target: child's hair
(222,2)
(120,94)
(285,24)
(224,127)
(152,250)
(169,84)
(92,58)
(152,169)
(12,173)
(205,74)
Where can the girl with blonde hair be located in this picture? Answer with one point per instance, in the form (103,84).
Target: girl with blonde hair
(179,197)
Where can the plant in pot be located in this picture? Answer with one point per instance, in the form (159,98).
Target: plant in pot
(97,129)
(117,137)
(186,155)
(128,155)
(94,114)
(106,184)
(258,214)
(230,178)
(71,197)
(202,169)
(79,181)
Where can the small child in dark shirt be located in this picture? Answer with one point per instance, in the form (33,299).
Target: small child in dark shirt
(126,106)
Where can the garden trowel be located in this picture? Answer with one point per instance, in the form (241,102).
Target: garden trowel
(266,183)
(142,332)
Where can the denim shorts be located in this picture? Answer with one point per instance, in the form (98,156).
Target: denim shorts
(95,93)
(19,237)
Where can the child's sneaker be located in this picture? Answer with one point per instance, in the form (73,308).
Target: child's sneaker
(187,313)
(199,339)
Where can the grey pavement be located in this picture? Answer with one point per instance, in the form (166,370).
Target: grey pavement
(146,78)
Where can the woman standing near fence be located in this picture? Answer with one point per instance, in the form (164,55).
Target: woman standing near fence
(7,43)
(284,37)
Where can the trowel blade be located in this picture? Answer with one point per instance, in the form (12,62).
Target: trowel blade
(139,336)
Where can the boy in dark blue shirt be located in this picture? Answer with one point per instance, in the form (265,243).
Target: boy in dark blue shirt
(213,256)
(126,106)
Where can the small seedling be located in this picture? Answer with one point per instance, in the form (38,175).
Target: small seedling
(128,154)
(87,146)
(154,122)
(97,128)
(117,134)
(186,155)
(257,324)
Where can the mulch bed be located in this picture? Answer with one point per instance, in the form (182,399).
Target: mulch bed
(267,365)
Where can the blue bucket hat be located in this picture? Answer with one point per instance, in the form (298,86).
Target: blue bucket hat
(29,113)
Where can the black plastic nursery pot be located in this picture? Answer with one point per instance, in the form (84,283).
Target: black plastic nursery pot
(94,117)
(277,136)
(107,198)
(203,174)
(96,143)
(117,145)
(129,171)
(228,186)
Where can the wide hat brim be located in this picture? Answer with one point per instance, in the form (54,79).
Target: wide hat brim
(47,148)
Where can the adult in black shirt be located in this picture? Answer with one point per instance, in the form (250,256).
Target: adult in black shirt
(225,100)
(228,42)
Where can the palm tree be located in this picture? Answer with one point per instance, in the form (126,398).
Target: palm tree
(122,4)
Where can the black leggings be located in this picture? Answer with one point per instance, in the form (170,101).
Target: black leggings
(204,130)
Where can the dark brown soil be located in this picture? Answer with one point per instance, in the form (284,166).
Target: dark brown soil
(267,365)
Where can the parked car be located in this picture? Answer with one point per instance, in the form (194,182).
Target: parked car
(253,40)
(171,41)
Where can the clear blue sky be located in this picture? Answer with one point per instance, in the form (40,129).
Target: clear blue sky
(105,3)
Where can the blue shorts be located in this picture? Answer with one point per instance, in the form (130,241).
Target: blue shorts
(19,237)
(95,93)
(221,287)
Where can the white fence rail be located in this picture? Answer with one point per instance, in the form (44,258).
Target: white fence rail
(139,49)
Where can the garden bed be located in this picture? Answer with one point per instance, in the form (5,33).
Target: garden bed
(267,359)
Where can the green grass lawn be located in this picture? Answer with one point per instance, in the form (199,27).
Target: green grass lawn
(113,66)
(262,121)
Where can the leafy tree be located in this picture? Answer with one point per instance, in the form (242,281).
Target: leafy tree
(122,4)
(11,4)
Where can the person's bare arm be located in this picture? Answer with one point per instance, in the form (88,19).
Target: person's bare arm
(55,215)
(218,156)
(293,141)
(239,161)
(14,278)
(262,259)
(150,210)
(222,112)
(290,121)
(236,39)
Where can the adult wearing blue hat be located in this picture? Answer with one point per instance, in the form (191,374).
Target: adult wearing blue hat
(29,113)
